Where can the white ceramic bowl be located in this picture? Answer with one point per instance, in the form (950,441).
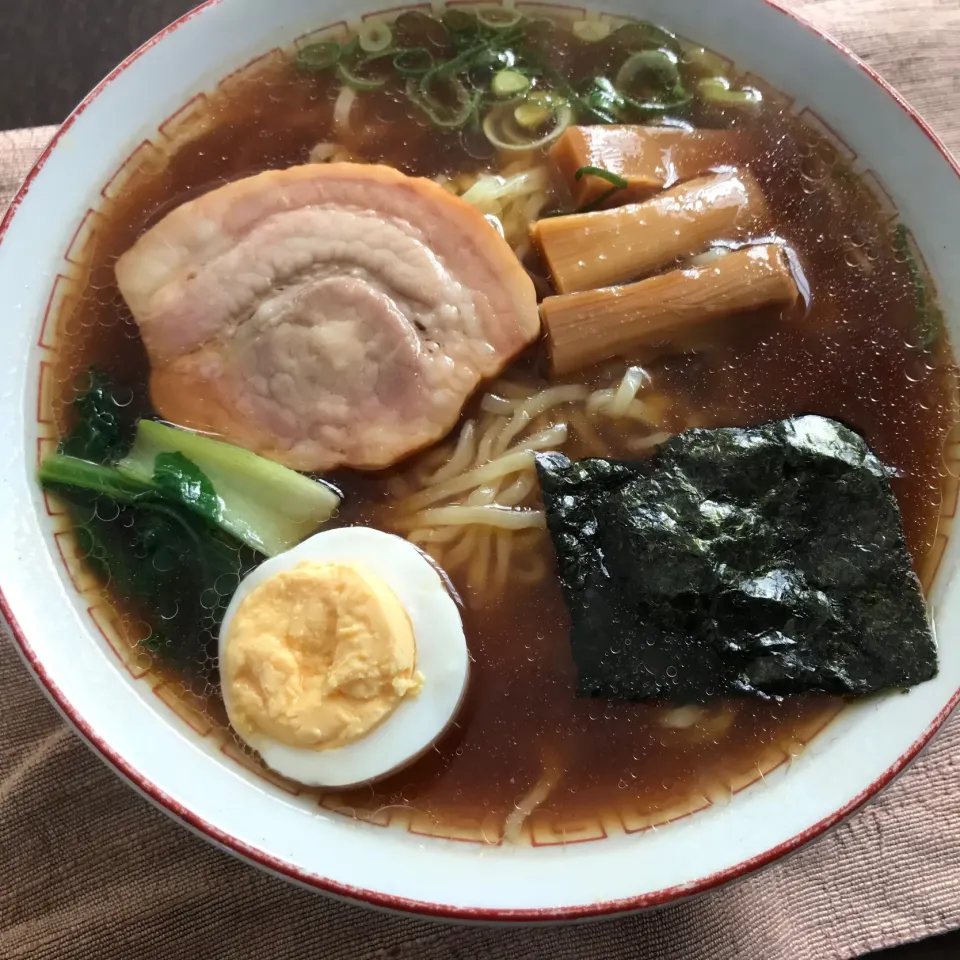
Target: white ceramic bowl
(169,755)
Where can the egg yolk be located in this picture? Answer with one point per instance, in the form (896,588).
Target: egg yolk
(318,656)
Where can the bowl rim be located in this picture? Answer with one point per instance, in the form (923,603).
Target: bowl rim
(209,831)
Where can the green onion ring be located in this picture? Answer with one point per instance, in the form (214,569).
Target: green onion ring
(499,18)
(414,62)
(317,57)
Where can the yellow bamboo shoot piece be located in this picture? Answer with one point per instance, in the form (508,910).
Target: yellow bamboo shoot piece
(593,325)
(587,250)
(648,158)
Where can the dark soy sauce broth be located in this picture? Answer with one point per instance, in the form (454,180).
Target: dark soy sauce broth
(851,352)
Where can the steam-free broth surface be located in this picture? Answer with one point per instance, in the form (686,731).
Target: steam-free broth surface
(854,349)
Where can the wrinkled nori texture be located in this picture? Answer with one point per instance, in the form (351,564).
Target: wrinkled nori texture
(756,562)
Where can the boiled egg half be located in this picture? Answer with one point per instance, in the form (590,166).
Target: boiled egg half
(343,659)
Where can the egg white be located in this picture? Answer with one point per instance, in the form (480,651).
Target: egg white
(442,658)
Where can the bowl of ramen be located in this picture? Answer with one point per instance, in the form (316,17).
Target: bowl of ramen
(489,461)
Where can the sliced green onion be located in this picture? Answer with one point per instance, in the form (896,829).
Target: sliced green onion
(502,129)
(414,62)
(617,183)
(499,18)
(599,202)
(537,109)
(374,36)
(458,21)
(484,53)
(641,35)
(549,98)
(655,70)
(596,114)
(317,57)
(714,87)
(612,178)
(591,31)
(649,84)
(509,83)
(415,29)
(704,62)
(347,72)
(530,115)
(717,90)
(484,64)
(422,94)
(601,101)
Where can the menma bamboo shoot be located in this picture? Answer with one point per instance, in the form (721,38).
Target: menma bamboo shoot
(593,325)
(648,158)
(587,250)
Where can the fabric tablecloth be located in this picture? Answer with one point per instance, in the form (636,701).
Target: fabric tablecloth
(88,869)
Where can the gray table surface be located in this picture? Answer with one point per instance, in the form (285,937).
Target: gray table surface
(53,51)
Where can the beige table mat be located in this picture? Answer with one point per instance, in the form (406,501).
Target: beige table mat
(90,870)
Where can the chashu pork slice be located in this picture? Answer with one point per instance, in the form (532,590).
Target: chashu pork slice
(325,315)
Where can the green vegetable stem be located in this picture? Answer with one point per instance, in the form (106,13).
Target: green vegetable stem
(267,506)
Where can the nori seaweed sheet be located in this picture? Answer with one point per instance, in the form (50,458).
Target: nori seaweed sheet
(737,562)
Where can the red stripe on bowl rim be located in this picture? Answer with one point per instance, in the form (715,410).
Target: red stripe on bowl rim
(282,868)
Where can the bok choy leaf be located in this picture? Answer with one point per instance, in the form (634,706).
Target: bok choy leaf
(267,506)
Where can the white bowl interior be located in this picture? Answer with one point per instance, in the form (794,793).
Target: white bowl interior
(188,773)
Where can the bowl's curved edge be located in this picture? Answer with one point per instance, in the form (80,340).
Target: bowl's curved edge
(890,91)
(372,898)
